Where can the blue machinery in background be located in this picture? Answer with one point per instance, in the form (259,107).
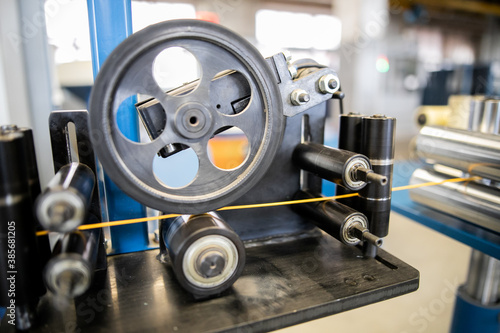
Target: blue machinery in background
(110,22)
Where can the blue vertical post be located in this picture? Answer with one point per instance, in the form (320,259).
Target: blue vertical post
(110,22)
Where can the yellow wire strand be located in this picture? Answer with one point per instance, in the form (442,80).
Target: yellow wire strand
(261,205)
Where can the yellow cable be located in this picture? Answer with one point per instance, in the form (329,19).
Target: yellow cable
(269,204)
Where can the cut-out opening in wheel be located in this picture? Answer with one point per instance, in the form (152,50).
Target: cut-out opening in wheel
(230,92)
(176,68)
(177,170)
(229,148)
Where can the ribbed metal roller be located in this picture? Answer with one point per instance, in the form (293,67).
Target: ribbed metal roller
(191,119)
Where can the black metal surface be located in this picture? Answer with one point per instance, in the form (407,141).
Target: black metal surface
(59,138)
(350,136)
(20,273)
(33,183)
(61,154)
(378,146)
(281,285)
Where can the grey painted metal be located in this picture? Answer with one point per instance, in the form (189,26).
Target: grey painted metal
(309,83)
(472,152)
(281,285)
(476,203)
(128,71)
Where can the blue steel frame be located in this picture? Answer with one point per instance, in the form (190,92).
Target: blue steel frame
(110,22)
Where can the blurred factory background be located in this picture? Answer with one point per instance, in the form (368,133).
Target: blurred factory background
(391,56)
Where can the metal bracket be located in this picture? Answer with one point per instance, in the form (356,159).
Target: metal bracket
(308,83)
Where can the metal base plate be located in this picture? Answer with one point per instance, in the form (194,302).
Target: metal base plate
(282,285)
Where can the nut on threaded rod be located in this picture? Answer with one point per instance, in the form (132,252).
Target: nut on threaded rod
(299,97)
(358,231)
(368,176)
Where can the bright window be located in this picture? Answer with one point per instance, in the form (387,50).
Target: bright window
(297,30)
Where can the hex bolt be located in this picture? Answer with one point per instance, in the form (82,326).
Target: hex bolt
(299,97)
(328,84)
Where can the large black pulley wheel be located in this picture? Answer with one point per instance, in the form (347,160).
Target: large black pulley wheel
(191,118)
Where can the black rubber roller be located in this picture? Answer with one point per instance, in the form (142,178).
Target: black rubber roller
(207,256)
(335,165)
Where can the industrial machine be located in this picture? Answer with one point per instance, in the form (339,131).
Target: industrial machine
(266,261)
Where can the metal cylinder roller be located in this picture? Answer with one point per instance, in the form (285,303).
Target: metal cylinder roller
(19,255)
(475,153)
(350,132)
(491,118)
(64,204)
(338,220)
(69,273)
(350,136)
(342,167)
(207,255)
(33,183)
(470,201)
(375,200)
